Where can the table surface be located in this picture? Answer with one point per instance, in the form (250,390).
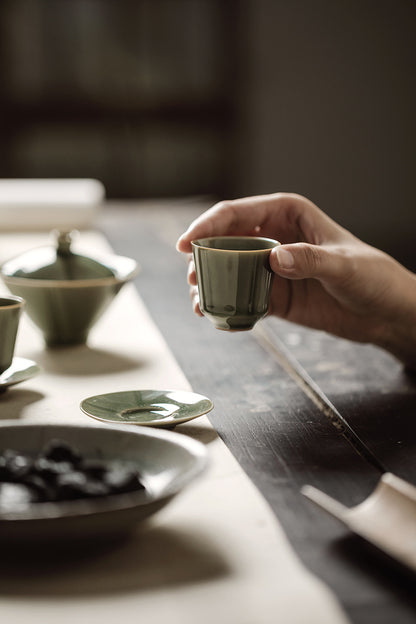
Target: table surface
(216,553)
(263,412)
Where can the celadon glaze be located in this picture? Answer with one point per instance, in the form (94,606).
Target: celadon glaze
(10,311)
(66,293)
(21,369)
(153,408)
(63,312)
(234,279)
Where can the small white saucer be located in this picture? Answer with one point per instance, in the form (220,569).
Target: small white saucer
(20,370)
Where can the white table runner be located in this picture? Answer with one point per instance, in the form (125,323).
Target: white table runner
(216,554)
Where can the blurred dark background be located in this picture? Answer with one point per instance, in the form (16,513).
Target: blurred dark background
(223,98)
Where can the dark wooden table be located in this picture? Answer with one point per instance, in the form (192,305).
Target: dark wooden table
(264,412)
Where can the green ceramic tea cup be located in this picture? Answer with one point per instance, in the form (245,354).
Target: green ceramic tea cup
(10,311)
(234,279)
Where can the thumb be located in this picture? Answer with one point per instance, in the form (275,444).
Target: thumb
(303,260)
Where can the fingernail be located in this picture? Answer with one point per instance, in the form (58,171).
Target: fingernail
(284,258)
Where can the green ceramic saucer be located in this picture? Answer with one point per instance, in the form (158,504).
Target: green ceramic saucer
(151,408)
(21,369)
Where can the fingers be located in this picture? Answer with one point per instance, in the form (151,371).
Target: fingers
(193,290)
(225,218)
(244,217)
(194,295)
(313,245)
(302,260)
(191,276)
(286,217)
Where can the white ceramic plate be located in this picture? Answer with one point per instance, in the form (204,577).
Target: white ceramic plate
(167,462)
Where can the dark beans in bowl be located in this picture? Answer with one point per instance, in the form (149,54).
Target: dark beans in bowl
(61,473)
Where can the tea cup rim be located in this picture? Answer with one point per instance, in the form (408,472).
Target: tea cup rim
(14,301)
(201,243)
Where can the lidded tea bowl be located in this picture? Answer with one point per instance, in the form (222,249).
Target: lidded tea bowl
(66,292)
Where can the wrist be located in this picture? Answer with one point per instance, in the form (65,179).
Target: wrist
(398,333)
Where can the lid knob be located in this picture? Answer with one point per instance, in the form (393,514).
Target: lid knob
(63,240)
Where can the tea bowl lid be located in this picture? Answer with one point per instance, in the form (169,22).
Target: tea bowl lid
(56,262)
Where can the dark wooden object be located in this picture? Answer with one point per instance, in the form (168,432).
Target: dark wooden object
(282,438)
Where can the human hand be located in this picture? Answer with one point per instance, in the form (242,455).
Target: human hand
(325,278)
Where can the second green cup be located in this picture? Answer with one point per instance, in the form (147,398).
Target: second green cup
(10,311)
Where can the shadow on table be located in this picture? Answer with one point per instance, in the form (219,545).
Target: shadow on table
(368,561)
(206,435)
(84,360)
(386,423)
(15,400)
(149,559)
